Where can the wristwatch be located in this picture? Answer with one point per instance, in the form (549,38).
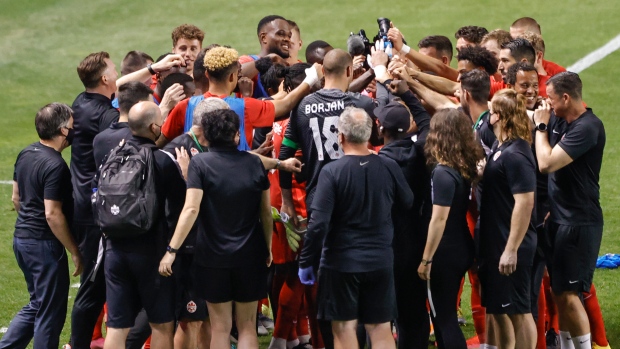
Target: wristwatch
(278,163)
(426,261)
(542,127)
(151,70)
(172,250)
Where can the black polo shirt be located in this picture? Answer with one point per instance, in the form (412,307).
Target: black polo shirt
(109,139)
(449,189)
(170,190)
(510,170)
(186,141)
(351,217)
(230,233)
(92,113)
(41,174)
(574,190)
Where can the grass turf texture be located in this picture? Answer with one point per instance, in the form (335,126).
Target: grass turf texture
(42,42)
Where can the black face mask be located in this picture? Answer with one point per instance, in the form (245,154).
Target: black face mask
(70,135)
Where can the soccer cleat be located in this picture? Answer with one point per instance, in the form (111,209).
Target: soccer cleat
(261,330)
(303,346)
(553,339)
(596,346)
(265,321)
(66,346)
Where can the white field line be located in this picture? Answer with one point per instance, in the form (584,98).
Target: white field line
(595,56)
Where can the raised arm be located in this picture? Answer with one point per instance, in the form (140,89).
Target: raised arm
(285,105)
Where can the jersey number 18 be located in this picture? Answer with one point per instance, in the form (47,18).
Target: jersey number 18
(330,132)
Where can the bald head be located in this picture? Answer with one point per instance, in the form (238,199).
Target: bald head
(145,120)
(336,62)
(524,24)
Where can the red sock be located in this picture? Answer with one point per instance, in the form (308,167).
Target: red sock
(97,331)
(310,297)
(291,297)
(278,281)
(552,308)
(147,344)
(593,309)
(478,312)
(541,342)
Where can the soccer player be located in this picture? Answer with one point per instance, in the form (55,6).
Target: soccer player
(222,68)
(316,51)
(351,223)
(132,281)
(453,150)
(187,43)
(517,50)
(543,67)
(507,235)
(438,47)
(572,155)
(470,35)
(523,78)
(295,44)
(494,40)
(42,197)
(92,113)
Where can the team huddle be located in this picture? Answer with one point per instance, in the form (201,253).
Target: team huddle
(350,193)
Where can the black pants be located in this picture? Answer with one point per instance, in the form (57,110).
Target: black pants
(45,267)
(139,333)
(449,267)
(412,323)
(91,295)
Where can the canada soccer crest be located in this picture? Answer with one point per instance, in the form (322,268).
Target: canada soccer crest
(194,151)
(191,307)
(115,210)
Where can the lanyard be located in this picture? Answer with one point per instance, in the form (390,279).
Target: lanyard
(196,141)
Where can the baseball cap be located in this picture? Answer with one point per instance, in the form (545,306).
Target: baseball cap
(394,116)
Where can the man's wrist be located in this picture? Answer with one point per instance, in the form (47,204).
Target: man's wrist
(405,49)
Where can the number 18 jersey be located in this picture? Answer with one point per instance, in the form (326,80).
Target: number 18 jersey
(313,128)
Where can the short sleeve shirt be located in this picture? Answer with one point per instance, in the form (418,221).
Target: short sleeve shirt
(449,189)
(510,170)
(229,230)
(574,189)
(41,174)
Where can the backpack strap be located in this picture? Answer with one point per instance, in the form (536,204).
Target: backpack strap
(238,106)
(189,112)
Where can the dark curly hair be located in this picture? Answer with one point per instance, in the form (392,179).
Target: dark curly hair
(295,75)
(220,127)
(450,142)
(511,75)
(479,57)
(273,77)
(471,33)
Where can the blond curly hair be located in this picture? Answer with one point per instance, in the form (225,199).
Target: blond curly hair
(219,58)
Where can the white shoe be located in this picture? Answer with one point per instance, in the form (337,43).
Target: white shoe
(262,331)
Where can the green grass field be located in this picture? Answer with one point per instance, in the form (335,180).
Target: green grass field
(42,41)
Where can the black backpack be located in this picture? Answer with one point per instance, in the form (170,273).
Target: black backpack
(125,203)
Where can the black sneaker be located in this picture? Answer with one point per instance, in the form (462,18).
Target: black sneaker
(303,346)
(553,339)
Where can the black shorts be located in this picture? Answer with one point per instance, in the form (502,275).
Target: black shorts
(132,283)
(503,294)
(368,297)
(189,306)
(240,284)
(575,250)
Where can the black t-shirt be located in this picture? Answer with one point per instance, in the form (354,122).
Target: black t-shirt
(510,170)
(41,174)
(170,191)
(449,189)
(92,113)
(230,233)
(484,132)
(574,189)
(109,139)
(313,129)
(173,212)
(352,214)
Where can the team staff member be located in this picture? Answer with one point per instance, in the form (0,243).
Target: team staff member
(232,252)
(507,234)
(42,197)
(223,72)
(449,251)
(351,223)
(92,113)
(572,156)
(132,281)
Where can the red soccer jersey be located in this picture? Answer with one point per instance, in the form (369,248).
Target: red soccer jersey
(496,85)
(257,113)
(281,251)
(552,68)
